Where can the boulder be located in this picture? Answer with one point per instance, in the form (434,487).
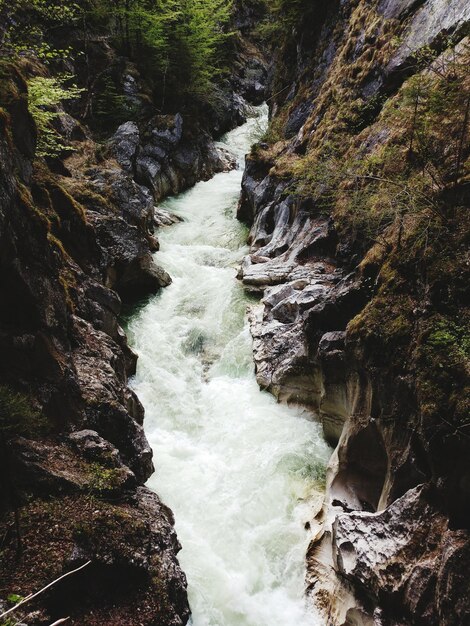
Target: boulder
(124,144)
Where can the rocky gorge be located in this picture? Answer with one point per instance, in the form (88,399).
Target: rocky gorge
(77,235)
(357,203)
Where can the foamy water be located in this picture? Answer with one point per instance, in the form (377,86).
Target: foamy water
(237,469)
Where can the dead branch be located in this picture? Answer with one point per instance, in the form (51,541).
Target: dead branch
(34,595)
(431,205)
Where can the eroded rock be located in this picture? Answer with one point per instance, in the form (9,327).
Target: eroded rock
(397,481)
(67,245)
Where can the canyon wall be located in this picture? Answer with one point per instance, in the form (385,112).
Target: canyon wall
(76,455)
(357,199)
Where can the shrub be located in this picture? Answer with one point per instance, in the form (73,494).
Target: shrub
(44,96)
(18,416)
(24,25)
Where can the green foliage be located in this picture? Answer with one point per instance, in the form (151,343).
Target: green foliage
(102,479)
(433,107)
(181,40)
(111,108)
(281,17)
(179,44)
(274,132)
(25,24)
(202,36)
(44,96)
(18,417)
(14,598)
(443,374)
(366,113)
(447,335)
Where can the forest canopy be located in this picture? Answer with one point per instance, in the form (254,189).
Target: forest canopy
(180,43)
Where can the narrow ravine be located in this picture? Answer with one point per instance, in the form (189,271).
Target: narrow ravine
(239,470)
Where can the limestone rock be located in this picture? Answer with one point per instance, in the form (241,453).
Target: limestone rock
(329,335)
(431,21)
(402,552)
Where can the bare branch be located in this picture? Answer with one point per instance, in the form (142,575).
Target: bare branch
(431,204)
(34,595)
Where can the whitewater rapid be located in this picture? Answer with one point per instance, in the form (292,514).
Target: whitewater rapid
(238,470)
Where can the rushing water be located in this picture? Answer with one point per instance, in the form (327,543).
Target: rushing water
(238,469)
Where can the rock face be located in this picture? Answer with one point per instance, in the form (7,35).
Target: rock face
(403,550)
(163,158)
(293,266)
(67,251)
(345,325)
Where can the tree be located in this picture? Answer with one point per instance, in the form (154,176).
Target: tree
(25,24)
(181,40)
(202,37)
(44,96)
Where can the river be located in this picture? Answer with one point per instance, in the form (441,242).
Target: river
(238,470)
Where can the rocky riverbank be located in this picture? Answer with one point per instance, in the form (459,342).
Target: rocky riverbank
(77,235)
(358,327)
(75,476)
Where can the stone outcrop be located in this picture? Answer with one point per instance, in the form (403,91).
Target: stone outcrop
(163,158)
(68,256)
(344,323)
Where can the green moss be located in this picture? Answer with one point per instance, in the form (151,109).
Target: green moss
(102,479)
(399,327)
(26,200)
(383,332)
(447,335)
(111,528)
(66,286)
(275,130)
(12,85)
(88,198)
(63,202)
(58,244)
